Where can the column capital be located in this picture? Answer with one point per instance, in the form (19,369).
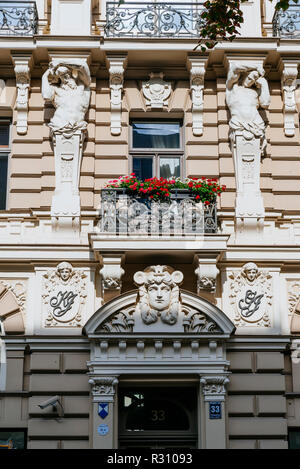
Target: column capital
(103,387)
(214,387)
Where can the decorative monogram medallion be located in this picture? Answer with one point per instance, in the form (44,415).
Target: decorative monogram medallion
(65,293)
(251,296)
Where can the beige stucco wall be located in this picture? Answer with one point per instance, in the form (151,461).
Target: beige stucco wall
(256,406)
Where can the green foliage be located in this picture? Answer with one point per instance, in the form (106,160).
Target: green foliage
(222,19)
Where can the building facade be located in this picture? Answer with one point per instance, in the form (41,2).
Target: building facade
(130,323)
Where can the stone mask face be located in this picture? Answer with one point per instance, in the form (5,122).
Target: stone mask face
(64,274)
(251,274)
(159,296)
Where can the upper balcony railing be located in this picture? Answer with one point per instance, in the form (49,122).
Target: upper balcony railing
(153,20)
(124,215)
(18,18)
(286,24)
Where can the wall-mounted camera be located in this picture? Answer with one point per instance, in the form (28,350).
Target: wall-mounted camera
(55,403)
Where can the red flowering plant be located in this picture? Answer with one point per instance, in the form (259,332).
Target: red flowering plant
(159,189)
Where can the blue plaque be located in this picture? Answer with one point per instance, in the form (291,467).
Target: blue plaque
(103,409)
(215,410)
(103,429)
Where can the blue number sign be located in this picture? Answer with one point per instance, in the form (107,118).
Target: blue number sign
(215,410)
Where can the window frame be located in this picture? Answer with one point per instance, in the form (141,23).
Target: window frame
(157,153)
(6,151)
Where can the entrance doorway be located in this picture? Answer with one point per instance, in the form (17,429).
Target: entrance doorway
(158,417)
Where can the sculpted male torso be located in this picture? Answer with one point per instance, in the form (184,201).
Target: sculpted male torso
(246,91)
(66,85)
(71,104)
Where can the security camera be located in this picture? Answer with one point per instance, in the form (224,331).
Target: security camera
(54,402)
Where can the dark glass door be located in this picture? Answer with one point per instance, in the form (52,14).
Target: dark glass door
(158,417)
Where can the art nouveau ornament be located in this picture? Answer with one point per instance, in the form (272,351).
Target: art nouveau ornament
(206,273)
(103,386)
(288,83)
(246,91)
(64,296)
(66,84)
(116,77)
(12,305)
(22,72)
(159,294)
(2,91)
(111,276)
(197,71)
(159,306)
(214,386)
(156,91)
(251,296)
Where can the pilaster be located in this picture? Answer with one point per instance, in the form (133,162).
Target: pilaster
(289,74)
(197,68)
(103,409)
(213,389)
(116,66)
(22,63)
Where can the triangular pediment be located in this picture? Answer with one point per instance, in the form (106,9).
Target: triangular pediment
(123,315)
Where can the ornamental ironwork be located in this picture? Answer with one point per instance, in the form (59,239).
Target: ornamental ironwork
(287,23)
(123,214)
(18,19)
(153,20)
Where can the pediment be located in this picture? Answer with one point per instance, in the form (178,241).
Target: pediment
(122,315)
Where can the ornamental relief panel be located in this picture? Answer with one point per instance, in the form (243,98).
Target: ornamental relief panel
(64,295)
(293,290)
(156,91)
(13,305)
(159,307)
(251,296)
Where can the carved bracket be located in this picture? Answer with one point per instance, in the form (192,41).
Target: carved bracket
(111,276)
(197,71)
(206,273)
(22,72)
(116,77)
(288,85)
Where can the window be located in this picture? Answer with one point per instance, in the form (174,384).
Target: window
(294,439)
(156,149)
(12,439)
(4,152)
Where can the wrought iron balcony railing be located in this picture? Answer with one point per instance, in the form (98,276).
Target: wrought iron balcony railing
(122,214)
(163,20)
(18,18)
(287,23)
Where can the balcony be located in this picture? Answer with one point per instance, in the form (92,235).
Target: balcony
(286,24)
(18,19)
(121,214)
(153,20)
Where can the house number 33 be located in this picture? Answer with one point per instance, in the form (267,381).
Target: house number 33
(158,415)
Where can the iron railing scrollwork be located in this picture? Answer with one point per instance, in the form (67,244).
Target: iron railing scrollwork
(153,20)
(18,19)
(123,214)
(286,24)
